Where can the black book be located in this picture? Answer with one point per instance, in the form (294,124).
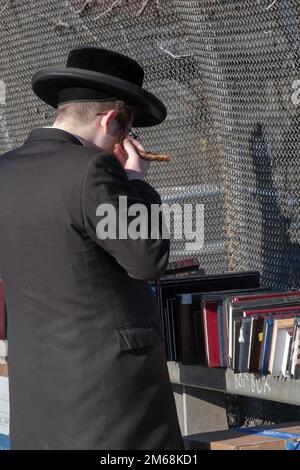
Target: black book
(256,343)
(200,338)
(168,330)
(186,327)
(173,329)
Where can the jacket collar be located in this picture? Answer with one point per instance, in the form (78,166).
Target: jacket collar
(50,134)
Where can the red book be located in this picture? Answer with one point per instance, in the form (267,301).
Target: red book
(2,311)
(267,295)
(211,333)
(265,311)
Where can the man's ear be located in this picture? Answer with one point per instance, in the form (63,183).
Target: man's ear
(108,122)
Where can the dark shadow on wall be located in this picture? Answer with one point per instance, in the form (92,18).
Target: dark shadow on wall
(279,255)
(245,411)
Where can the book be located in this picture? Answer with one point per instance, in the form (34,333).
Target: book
(200,341)
(266,346)
(281,326)
(281,352)
(191,329)
(222,329)
(186,329)
(167,331)
(244,340)
(295,353)
(286,352)
(256,343)
(173,331)
(237,324)
(210,321)
(279,312)
(289,354)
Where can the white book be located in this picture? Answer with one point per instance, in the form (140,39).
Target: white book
(250,340)
(296,351)
(278,344)
(279,352)
(229,330)
(287,345)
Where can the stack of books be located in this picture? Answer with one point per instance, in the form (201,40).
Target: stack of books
(228,320)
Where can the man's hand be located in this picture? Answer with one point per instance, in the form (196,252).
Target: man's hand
(120,154)
(129,157)
(134,161)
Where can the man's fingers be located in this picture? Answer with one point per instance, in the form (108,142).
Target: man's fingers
(136,143)
(120,154)
(122,151)
(128,145)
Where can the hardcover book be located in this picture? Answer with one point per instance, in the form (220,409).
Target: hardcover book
(281,327)
(237,324)
(186,329)
(210,320)
(244,340)
(266,346)
(256,344)
(295,362)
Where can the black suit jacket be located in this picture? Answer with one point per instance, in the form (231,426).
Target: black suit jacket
(86,359)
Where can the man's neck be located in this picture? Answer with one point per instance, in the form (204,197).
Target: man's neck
(83,136)
(77,133)
(130,173)
(72,130)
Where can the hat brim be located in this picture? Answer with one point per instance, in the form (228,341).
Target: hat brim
(47,84)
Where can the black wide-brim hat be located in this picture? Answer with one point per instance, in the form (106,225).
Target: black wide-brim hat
(97,74)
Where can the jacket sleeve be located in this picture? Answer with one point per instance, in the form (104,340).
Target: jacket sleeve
(104,182)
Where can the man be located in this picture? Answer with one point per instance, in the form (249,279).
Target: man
(86,358)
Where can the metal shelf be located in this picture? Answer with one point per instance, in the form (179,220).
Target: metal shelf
(277,389)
